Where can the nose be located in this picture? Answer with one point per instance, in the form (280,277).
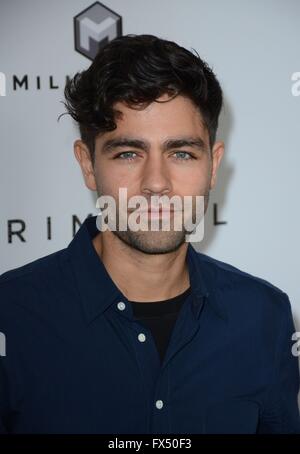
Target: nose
(156,179)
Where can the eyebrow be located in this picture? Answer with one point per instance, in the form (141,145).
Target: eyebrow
(178,142)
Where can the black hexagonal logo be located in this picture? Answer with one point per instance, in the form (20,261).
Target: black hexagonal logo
(94,27)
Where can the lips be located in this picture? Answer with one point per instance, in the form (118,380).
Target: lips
(155,211)
(158,211)
(157,214)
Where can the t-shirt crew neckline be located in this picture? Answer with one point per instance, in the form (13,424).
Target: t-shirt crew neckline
(170,305)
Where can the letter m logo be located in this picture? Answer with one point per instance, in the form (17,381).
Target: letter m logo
(94,27)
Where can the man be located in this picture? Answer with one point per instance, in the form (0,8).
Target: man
(133,331)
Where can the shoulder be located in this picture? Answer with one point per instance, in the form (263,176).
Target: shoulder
(27,280)
(240,288)
(231,273)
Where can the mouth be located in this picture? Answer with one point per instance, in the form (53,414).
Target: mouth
(157,213)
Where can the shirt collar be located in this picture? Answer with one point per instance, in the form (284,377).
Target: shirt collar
(98,291)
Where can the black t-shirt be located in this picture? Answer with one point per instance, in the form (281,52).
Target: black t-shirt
(160,318)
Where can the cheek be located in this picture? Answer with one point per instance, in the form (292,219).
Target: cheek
(110,183)
(193,182)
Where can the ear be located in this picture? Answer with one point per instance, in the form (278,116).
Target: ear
(83,156)
(217,154)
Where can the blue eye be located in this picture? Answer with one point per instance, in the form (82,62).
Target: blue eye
(183,155)
(126,153)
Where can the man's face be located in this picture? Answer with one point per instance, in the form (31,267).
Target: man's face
(154,166)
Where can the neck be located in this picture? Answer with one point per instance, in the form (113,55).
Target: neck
(140,276)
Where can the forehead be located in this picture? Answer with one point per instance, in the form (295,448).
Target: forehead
(164,117)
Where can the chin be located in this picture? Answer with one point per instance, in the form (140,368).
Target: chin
(159,242)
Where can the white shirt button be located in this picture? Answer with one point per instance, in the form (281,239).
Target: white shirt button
(159,404)
(141,337)
(121,306)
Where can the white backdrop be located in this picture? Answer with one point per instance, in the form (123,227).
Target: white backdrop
(253,46)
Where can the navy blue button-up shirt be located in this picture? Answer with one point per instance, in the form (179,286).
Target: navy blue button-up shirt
(78,361)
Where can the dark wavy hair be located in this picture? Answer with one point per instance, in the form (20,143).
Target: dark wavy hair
(138,69)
